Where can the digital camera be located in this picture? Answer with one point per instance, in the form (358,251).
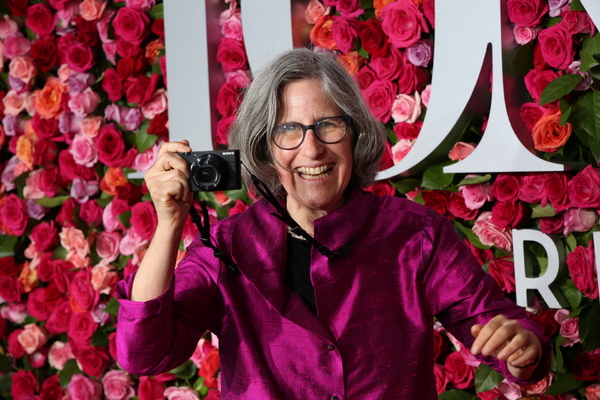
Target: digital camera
(214,170)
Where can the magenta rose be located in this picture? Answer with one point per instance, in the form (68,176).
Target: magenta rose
(131,25)
(60,318)
(526,12)
(118,385)
(437,200)
(582,269)
(458,208)
(45,128)
(403,23)
(536,82)
(81,329)
(463,375)
(531,114)
(41,19)
(13,215)
(388,66)
(531,188)
(556,188)
(44,236)
(93,359)
(83,388)
(112,84)
(110,146)
(143,219)
(83,294)
(584,188)
(503,271)
(228,98)
(509,214)
(10,289)
(15,349)
(91,213)
(51,389)
(556,45)
(577,22)
(80,57)
(37,305)
(442,378)
(232,55)
(553,224)
(24,384)
(505,187)
(380,97)
(372,38)
(408,131)
(344,33)
(412,78)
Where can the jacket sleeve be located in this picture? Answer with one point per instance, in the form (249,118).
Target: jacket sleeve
(160,334)
(460,294)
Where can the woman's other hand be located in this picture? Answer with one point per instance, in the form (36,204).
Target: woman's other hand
(507,340)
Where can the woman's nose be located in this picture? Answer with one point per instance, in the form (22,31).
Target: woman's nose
(311,146)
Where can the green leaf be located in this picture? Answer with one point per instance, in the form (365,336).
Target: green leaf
(112,307)
(591,45)
(4,10)
(124,219)
(557,364)
(537,211)
(572,295)
(157,12)
(5,384)
(565,116)
(186,370)
(562,384)
(559,87)
(589,327)
(486,378)
(144,140)
(52,202)
(523,61)
(588,112)
(435,178)
(100,338)
(455,394)
(473,238)
(594,145)
(571,242)
(588,61)
(65,375)
(5,364)
(475,179)
(7,245)
(576,5)
(406,185)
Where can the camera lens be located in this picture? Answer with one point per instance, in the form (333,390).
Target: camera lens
(207,173)
(209,170)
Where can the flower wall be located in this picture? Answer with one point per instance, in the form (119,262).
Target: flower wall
(84,103)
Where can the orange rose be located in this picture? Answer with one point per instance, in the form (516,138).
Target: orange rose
(378,5)
(548,133)
(321,34)
(26,148)
(153,50)
(351,61)
(113,180)
(28,278)
(210,367)
(48,100)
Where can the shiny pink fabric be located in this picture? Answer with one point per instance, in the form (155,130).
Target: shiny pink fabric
(373,337)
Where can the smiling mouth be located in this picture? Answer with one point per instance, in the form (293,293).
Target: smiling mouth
(315,173)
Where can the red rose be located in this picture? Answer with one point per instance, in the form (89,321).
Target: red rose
(228,98)
(45,54)
(158,27)
(51,389)
(441,345)
(112,85)
(584,188)
(9,267)
(10,289)
(143,219)
(66,215)
(582,269)
(136,88)
(45,128)
(3,328)
(93,360)
(408,131)
(365,77)
(372,37)
(388,66)
(586,366)
(526,12)
(536,82)
(131,66)
(80,57)
(111,147)
(436,199)
(81,329)
(83,295)
(209,368)
(403,23)
(545,319)
(18,7)
(380,97)
(457,207)
(112,345)
(60,318)
(531,114)
(14,347)
(379,188)
(556,45)
(505,187)
(91,213)
(131,25)
(321,34)
(412,78)
(231,54)
(24,384)
(482,255)
(151,388)
(41,19)
(45,153)
(509,214)
(158,125)
(37,306)
(503,271)
(344,33)
(44,236)
(552,224)
(87,32)
(555,186)
(462,374)
(531,188)
(13,215)
(539,64)
(69,169)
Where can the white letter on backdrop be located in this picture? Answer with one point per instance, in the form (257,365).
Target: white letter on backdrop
(544,284)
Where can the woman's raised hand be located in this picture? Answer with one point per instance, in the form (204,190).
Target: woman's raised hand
(167,182)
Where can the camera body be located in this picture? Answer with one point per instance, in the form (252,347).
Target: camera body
(214,170)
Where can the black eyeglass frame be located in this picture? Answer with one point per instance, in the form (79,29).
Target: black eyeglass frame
(344,118)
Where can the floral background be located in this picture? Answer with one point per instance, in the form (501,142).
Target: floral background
(84,104)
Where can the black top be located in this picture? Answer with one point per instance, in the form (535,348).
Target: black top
(297,276)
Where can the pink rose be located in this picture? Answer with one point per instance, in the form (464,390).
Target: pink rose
(461,150)
(344,33)
(420,53)
(13,215)
(556,45)
(107,245)
(557,6)
(578,220)
(84,151)
(156,105)
(231,54)
(569,327)
(536,82)
(142,5)
(90,126)
(75,242)
(32,338)
(582,269)
(403,23)
(231,24)
(526,12)
(41,19)
(104,278)
(180,393)
(8,26)
(380,97)
(406,108)
(349,9)
(503,271)
(14,312)
(82,190)
(23,68)
(593,392)
(314,10)
(491,235)
(425,94)
(32,189)
(531,188)
(476,195)
(387,66)
(525,34)
(82,388)
(401,149)
(111,212)
(15,45)
(584,188)
(143,161)
(84,103)
(15,103)
(59,354)
(92,10)
(131,25)
(118,385)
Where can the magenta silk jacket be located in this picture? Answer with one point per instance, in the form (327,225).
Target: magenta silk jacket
(373,337)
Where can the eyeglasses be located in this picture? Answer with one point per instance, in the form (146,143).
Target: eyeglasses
(290,135)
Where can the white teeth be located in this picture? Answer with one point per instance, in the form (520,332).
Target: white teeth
(314,173)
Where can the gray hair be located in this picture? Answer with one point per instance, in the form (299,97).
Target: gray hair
(262,105)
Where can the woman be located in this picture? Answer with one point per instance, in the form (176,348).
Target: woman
(294,323)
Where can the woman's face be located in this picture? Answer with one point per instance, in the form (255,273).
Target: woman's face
(314,175)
